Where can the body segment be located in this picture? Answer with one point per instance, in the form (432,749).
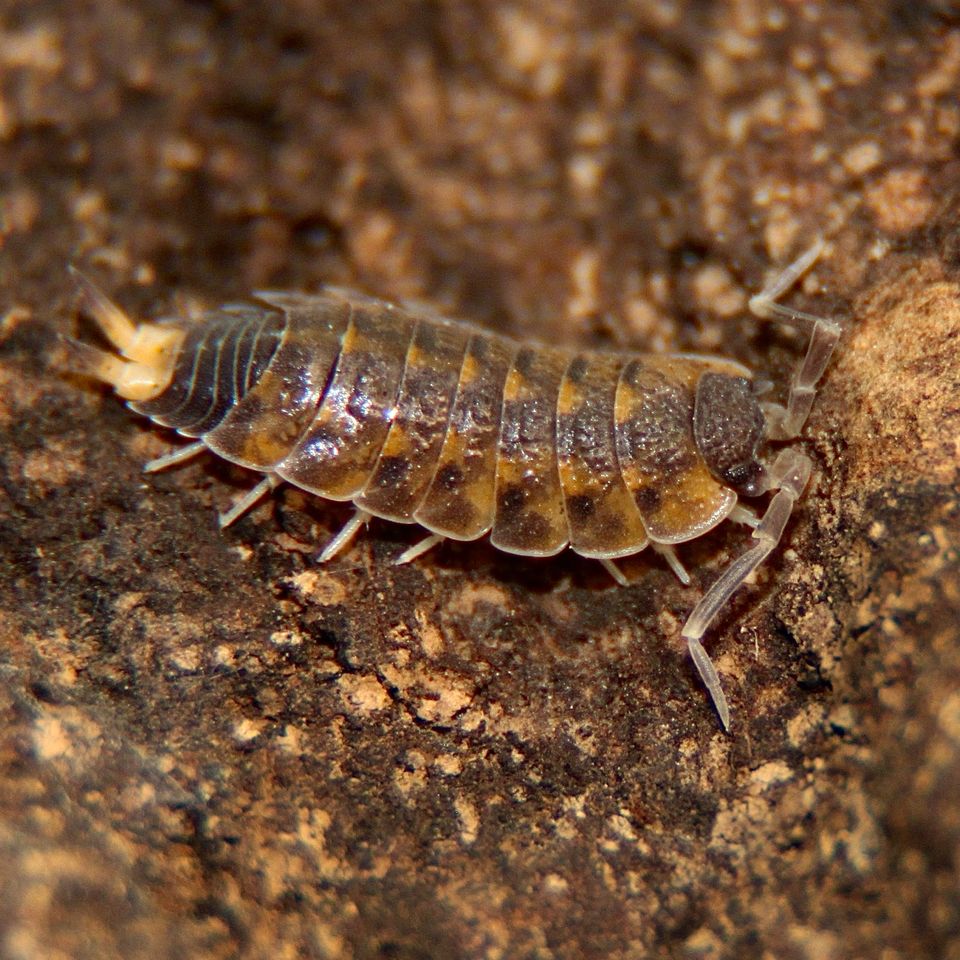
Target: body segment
(602,515)
(408,459)
(530,518)
(264,425)
(333,457)
(459,502)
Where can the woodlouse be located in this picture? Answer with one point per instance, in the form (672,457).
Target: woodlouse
(418,419)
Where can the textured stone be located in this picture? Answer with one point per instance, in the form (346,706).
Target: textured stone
(210,747)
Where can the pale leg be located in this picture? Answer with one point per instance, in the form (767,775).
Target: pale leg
(347,532)
(614,571)
(171,459)
(419,548)
(249,500)
(673,561)
(824,335)
(788,475)
(744,515)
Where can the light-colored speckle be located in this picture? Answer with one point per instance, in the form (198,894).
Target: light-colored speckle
(877,531)
(554,884)
(621,826)
(771,774)
(186,659)
(39,47)
(363,692)
(469,820)
(445,704)
(900,201)
(584,280)
(862,157)
(448,766)
(948,716)
(50,738)
(942,76)
(716,291)
(533,47)
(52,466)
(247,729)
(430,636)
(851,59)
(319,586)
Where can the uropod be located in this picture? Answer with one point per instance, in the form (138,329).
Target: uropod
(419,419)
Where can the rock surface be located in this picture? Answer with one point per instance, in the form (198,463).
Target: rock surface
(212,747)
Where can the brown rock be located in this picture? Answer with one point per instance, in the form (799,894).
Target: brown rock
(210,747)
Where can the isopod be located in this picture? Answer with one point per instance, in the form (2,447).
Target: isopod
(419,419)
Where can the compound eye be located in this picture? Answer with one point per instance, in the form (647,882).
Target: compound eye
(748,479)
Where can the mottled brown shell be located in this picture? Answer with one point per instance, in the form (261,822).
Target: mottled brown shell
(421,420)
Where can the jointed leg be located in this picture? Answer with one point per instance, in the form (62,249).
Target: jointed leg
(744,515)
(665,550)
(764,304)
(788,476)
(786,423)
(803,389)
(669,554)
(347,532)
(614,571)
(421,547)
(171,459)
(249,500)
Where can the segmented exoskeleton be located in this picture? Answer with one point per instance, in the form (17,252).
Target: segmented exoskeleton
(418,419)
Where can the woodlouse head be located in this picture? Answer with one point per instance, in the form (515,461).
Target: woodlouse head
(728,427)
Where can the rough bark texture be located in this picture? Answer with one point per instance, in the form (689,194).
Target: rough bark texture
(211,747)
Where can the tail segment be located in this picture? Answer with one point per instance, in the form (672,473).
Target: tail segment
(147,351)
